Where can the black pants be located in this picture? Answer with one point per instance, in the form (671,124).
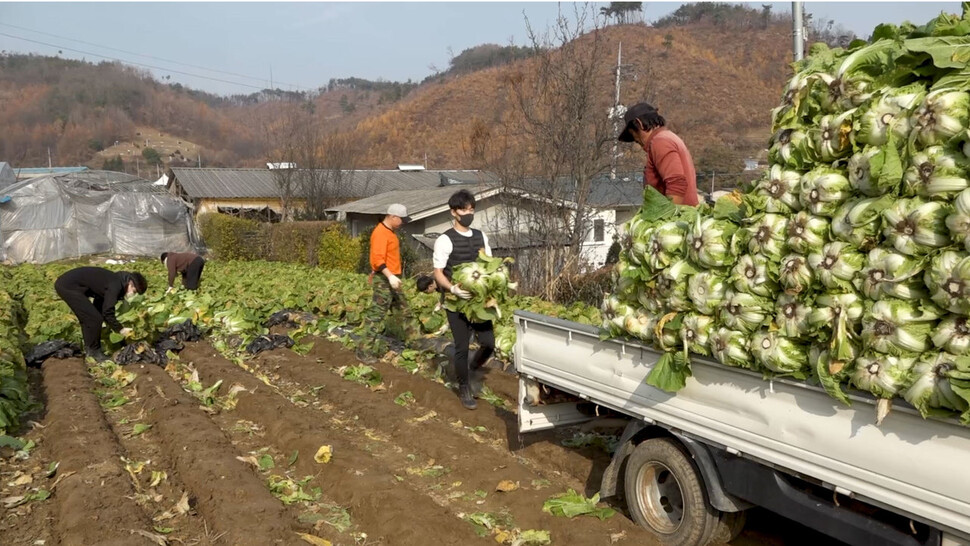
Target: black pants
(461,329)
(193,274)
(88,314)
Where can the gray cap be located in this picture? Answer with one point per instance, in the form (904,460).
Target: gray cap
(399,210)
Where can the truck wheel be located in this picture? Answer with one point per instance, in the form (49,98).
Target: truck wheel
(665,494)
(728,527)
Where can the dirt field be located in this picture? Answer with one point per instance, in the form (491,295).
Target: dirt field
(141,460)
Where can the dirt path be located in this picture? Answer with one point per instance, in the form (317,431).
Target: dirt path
(91,499)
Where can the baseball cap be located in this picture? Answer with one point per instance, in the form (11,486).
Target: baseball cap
(633,113)
(399,210)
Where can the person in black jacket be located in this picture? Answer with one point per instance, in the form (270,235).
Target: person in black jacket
(92,293)
(459,245)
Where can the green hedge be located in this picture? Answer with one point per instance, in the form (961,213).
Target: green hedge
(231,238)
(326,244)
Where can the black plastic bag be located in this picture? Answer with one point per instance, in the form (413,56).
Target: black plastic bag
(55,348)
(187,331)
(139,353)
(289,318)
(266,343)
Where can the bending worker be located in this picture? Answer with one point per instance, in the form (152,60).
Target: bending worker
(386,270)
(669,168)
(92,293)
(459,245)
(187,264)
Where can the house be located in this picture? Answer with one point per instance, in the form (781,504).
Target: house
(506,214)
(258,190)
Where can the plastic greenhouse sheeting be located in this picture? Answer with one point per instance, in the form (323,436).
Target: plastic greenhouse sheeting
(53,217)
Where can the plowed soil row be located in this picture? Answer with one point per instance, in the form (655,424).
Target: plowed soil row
(91,501)
(420,442)
(387,509)
(226,491)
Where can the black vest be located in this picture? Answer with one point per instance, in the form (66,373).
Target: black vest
(463,249)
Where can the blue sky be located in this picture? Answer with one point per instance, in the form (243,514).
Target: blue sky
(305,44)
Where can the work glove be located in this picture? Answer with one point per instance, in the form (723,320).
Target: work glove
(395,281)
(125,332)
(170,290)
(460,292)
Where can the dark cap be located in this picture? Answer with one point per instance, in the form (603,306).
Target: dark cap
(632,113)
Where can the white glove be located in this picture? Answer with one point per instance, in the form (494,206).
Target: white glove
(125,332)
(170,290)
(394,280)
(460,292)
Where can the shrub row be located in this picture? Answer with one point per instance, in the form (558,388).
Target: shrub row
(324,244)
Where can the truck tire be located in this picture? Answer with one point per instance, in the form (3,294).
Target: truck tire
(728,527)
(665,494)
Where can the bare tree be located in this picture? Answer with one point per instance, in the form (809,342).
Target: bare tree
(552,149)
(283,134)
(329,173)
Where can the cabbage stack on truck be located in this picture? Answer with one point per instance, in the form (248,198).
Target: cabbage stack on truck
(804,344)
(690,463)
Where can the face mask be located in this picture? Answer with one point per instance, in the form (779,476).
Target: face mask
(466,219)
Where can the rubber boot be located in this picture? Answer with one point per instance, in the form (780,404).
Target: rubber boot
(465,395)
(96,355)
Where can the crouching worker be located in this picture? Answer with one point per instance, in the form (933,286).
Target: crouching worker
(187,264)
(385,278)
(92,293)
(459,245)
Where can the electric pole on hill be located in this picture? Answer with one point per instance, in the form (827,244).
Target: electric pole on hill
(617,111)
(798,31)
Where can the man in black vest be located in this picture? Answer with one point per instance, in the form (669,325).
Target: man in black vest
(459,245)
(78,287)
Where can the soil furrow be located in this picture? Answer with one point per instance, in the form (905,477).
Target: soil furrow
(93,495)
(452,439)
(228,494)
(389,511)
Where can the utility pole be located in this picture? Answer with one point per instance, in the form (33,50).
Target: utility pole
(798,31)
(615,112)
(200,160)
(50,166)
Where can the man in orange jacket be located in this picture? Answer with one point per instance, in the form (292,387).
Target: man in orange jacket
(386,270)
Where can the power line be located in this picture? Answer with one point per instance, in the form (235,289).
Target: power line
(132,62)
(145,56)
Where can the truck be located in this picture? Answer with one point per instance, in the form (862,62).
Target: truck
(689,464)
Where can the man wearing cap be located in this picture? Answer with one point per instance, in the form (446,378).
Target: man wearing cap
(386,268)
(669,168)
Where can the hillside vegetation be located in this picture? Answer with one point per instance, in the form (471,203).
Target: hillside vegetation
(714,79)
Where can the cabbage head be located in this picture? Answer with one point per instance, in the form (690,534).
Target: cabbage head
(882,375)
(672,285)
(916,226)
(780,189)
(707,290)
(791,316)
(948,279)
(953,335)
(696,331)
(744,312)
(823,190)
(889,112)
(730,348)
(709,242)
(889,273)
(767,236)
(942,115)
(936,172)
(666,244)
(958,222)
(837,265)
(795,275)
(832,139)
(899,327)
(807,233)
(859,221)
(930,386)
(754,274)
(780,354)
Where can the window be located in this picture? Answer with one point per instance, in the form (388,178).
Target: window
(599,230)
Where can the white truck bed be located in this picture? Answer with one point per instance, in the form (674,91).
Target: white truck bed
(920,467)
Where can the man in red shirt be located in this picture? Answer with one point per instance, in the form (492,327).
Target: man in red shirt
(669,168)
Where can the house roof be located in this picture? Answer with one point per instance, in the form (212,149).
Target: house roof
(420,204)
(260,183)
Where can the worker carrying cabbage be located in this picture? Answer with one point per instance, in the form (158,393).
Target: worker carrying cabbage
(669,168)
(386,270)
(459,245)
(92,293)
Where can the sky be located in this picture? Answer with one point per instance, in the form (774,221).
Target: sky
(237,47)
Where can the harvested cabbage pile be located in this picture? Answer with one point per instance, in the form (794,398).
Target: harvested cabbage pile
(848,263)
(488,281)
